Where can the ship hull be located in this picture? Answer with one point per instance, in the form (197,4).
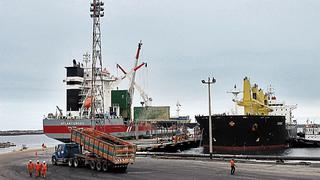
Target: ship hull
(60,129)
(244,134)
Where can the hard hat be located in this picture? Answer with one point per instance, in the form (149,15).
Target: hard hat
(44,162)
(30,160)
(37,161)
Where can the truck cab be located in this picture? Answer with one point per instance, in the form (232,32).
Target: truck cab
(64,152)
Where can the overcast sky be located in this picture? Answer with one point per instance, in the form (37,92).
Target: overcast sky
(185,41)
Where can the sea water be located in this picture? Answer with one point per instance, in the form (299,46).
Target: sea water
(296,152)
(31,141)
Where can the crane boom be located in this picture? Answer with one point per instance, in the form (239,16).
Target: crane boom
(60,111)
(126,74)
(131,89)
(146,99)
(118,66)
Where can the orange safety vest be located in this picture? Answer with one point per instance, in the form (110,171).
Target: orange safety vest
(30,166)
(38,167)
(232,162)
(44,168)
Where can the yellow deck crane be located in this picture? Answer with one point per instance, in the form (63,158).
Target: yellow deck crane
(255,101)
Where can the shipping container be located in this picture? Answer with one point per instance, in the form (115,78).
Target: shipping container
(151,113)
(121,98)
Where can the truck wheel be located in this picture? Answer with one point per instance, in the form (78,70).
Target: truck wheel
(54,161)
(99,166)
(92,165)
(70,162)
(123,168)
(105,166)
(76,162)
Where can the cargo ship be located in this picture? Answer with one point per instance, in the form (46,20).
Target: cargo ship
(93,99)
(254,132)
(117,119)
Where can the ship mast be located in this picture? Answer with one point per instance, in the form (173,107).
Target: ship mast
(178,108)
(235,92)
(97,97)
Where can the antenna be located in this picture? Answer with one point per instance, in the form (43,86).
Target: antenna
(97,97)
(86,58)
(235,92)
(270,93)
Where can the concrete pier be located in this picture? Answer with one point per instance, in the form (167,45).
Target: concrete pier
(165,145)
(13,166)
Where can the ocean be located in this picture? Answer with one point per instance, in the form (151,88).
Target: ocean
(31,141)
(308,152)
(35,141)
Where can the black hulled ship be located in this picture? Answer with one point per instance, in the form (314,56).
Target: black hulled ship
(254,132)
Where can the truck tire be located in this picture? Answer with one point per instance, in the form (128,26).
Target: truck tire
(76,162)
(54,161)
(121,169)
(70,162)
(124,168)
(105,166)
(99,166)
(92,165)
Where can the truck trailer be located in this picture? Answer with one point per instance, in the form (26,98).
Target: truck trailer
(98,150)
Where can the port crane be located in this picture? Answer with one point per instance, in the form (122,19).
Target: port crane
(146,99)
(128,74)
(133,85)
(86,102)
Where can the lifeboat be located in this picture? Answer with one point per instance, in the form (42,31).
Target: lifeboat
(87,103)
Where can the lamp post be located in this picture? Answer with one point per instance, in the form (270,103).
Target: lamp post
(209,82)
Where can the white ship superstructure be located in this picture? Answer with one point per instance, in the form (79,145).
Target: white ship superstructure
(312,132)
(78,85)
(280,108)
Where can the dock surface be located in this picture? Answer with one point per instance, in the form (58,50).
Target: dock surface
(165,145)
(12,166)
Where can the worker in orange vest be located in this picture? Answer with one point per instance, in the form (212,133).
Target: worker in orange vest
(44,169)
(233,166)
(30,167)
(38,169)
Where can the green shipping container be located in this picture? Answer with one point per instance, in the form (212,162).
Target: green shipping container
(121,98)
(151,113)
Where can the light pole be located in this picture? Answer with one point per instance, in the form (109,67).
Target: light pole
(209,82)
(96,12)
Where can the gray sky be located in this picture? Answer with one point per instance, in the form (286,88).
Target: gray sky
(185,41)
